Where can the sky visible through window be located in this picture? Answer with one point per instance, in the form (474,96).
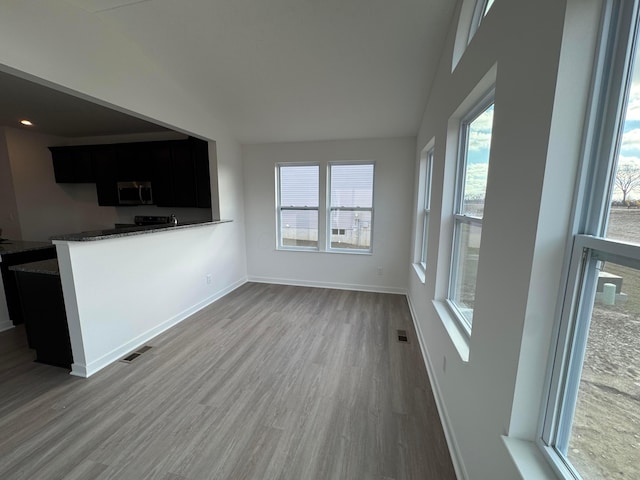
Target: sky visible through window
(477,163)
(629,157)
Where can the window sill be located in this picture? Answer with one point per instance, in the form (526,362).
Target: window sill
(419,272)
(316,250)
(459,337)
(528,459)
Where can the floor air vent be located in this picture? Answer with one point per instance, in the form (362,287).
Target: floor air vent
(132,356)
(402,336)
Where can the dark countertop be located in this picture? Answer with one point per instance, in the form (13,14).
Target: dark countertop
(17,246)
(47,267)
(130,231)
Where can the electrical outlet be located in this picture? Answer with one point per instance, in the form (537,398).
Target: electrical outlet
(209,279)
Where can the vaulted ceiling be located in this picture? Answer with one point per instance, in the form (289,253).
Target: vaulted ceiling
(273,70)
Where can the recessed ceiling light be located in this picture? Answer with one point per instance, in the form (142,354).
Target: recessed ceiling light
(26,122)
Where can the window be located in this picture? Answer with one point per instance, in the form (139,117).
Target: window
(350,206)
(481,9)
(298,200)
(592,420)
(422,226)
(471,186)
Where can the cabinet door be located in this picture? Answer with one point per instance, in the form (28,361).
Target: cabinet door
(183,175)
(202,180)
(133,162)
(72,164)
(104,164)
(160,159)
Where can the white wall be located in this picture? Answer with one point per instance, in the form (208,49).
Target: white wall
(535,149)
(391,224)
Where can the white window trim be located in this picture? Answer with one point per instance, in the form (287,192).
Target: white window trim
(469,21)
(426,209)
(478,14)
(330,208)
(460,219)
(620,27)
(423,212)
(280,208)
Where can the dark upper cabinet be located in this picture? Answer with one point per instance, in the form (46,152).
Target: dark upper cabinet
(178,170)
(203,180)
(72,164)
(161,181)
(181,174)
(133,162)
(106,171)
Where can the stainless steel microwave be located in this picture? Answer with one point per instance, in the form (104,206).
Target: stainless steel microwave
(135,193)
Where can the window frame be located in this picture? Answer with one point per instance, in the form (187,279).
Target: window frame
(423,209)
(588,244)
(280,208)
(459,218)
(480,11)
(330,208)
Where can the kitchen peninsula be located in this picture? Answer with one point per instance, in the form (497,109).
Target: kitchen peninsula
(122,287)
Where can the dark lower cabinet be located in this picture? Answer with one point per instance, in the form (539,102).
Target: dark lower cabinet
(9,278)
(45,317)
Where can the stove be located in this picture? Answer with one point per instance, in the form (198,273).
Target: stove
(151,220)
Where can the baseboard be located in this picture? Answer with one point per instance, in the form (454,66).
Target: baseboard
(456,456)
(6,325)
(337,286)
(81,370)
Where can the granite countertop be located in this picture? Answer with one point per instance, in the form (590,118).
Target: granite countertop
(17,246)
(47,267)
(130,231)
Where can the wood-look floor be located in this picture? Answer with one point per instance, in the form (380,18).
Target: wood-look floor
(270,382)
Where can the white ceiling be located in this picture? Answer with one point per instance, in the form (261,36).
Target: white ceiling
(289,70)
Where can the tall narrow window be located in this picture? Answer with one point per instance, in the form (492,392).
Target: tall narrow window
(351,206)
(471,180)
(298,200)
(480,11)
(426,209)
(592,422)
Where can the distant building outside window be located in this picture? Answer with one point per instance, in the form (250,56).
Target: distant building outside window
(351,206)
(298,201)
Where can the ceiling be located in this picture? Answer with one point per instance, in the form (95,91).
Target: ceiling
(277,70)
(55,113)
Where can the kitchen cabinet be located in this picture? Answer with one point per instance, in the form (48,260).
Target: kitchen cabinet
(44,312)
(72,164)
(106,173)
(202,177)
(15,253)
(133,162)
(161,180)
(178,170)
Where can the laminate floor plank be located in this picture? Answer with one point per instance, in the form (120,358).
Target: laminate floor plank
(269,382)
